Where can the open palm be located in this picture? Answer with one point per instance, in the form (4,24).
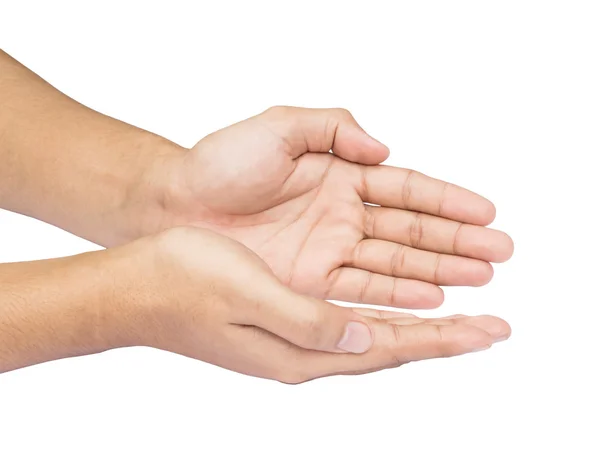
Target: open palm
(336,225)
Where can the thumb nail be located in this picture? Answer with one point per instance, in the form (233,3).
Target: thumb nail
(357,338)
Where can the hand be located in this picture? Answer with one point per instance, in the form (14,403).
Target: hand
(200,294)
(205,296)
(271,183)
(268,182)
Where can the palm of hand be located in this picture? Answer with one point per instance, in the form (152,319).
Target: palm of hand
(304,213)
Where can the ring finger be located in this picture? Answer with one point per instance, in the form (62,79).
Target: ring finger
(401,261)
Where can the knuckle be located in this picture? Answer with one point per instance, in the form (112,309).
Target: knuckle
(396,360)
(435,277)
(397,337)
(439,333)
(455,239)
(292,377)
(442,201)
(439,340)
(407,191)
(363,295)
(394,352)
(369,223)
(277,110)
(416,231)
(393,293)
(397,261)
(343,113)
(313,332)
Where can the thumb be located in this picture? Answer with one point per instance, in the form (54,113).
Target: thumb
(320,130)
(311,323)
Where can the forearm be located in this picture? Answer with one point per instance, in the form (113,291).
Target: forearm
(73,167)
(66,307)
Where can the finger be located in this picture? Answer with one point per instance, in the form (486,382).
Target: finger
(497,328)
(308,322)
(408,189)
(397,260)
(395,345)
(321,130)
(263,354)
(362,286)
(407,343)
(419,320)
(437,234)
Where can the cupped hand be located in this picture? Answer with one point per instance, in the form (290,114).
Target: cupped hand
(334,225)
(200,294)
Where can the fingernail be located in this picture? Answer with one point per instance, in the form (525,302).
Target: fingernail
(357,338)
(502,338)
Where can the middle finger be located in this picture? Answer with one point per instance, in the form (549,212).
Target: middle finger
(437,234)
(401,261)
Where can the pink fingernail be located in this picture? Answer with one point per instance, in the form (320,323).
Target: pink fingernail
(357,338)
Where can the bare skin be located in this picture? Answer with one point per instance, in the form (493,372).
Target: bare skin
(268,182)
(176,291)
(313,224)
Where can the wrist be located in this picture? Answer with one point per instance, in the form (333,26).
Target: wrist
(144,303)
(129,306)
(149,192)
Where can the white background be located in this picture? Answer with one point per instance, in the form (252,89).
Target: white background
(500,97)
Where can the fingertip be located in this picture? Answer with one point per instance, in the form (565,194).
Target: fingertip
(374,152)
(484,244)
(433,299)
(358,146)
(387,150)
(467,206)
(488,212)
(383,152)
(501,329)
(465,272)
(504,248)
(498,328)
(484,275)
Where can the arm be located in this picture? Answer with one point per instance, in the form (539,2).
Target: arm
(176,291)
(70,166)
(60,308)
(269,182)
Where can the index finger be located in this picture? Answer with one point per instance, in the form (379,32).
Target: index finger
(411,190)
(405,339)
